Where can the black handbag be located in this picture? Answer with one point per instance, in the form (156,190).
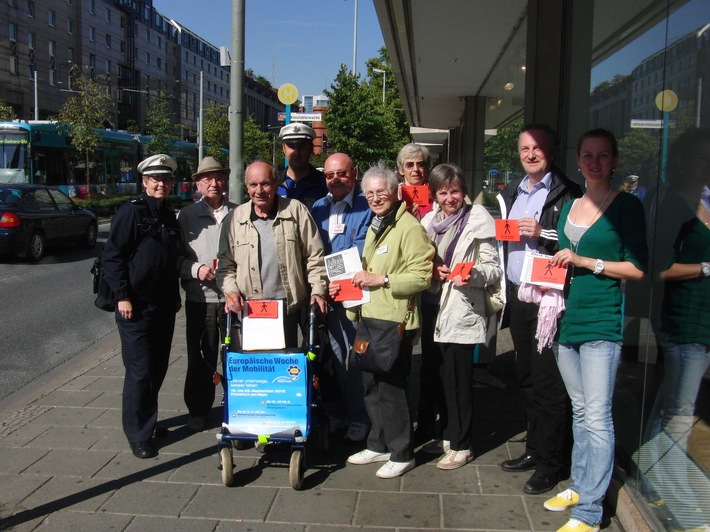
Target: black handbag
(104,295)
(377,342)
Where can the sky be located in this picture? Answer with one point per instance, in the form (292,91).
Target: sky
(303,42)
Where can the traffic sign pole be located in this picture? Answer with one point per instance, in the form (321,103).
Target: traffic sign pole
(288,94)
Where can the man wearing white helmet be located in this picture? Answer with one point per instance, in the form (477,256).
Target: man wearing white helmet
(141,260)
(300,180)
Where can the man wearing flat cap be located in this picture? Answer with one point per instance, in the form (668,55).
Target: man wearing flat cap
(200,226)
(141,260)
(300,180)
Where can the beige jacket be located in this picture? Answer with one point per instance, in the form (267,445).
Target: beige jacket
(298,246)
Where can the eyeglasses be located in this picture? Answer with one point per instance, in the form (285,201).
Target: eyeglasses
(160,178)
(381,194)
(410,164)
(339,173)
(217,179)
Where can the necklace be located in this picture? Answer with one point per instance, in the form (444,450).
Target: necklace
(577,232)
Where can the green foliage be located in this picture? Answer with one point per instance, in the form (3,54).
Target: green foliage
(216,128)
(161,124)
(359,123)
(7,113)
(501,152)
(638,155)
(84,113)
(257,143)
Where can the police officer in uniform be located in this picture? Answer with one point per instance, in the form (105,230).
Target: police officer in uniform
(300,180)
(141,261)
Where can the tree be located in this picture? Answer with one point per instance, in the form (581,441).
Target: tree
(7,113)
(359,123)
(216,128)
(161,124)
(84,113)
(257,143)
(638,155)
(501,151)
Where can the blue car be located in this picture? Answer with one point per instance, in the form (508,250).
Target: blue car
(33,216)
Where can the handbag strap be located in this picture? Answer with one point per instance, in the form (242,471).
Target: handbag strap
(407,315)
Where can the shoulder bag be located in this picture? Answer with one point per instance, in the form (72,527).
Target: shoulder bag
(377,341)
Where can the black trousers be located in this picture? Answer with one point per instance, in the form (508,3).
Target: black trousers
(543,392)
(145,347)
(203,326)
(431,388)
(458,390)
(387,404)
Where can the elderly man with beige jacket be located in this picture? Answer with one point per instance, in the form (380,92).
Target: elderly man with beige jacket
(270,249)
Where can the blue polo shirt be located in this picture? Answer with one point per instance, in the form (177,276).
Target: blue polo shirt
(528,204)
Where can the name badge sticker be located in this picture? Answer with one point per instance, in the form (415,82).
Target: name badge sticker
(381,250)
(339,229)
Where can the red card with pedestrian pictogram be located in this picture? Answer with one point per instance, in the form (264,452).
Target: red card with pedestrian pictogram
(543,271)
(263,308)
(415,194)
(507,230)
(462,269)
(348,291)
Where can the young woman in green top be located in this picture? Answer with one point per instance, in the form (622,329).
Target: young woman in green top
(602,239)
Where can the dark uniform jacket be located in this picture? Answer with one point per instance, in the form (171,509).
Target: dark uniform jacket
(141,257)
(307,190)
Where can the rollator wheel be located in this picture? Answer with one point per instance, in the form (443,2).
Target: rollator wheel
(295,470)
(227,461)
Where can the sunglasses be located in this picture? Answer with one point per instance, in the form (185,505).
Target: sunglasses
(339,173)
(419,164)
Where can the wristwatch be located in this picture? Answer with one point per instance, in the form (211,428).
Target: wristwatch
(386,280)
(598,267)
(705,268)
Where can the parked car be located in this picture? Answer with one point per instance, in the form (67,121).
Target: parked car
(32,216)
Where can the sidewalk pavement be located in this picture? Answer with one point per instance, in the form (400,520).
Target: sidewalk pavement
(65,466)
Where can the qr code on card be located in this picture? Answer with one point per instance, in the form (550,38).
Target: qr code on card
(335,266)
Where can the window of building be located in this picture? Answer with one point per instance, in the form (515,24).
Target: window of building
(108,41)
(107,67)
(31,40)
(123,47)
(92,34)
(70,26)
(147,35)
(147,58)
(13,65)
(51,18)
(12,32)
(53,78)
(160,42)
(12,3)
(159,63)
(92,7)
(108,15)
(123,22)
(70,2)
(70,55)
(92,60)
(31,8)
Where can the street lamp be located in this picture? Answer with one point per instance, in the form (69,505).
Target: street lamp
(384,81)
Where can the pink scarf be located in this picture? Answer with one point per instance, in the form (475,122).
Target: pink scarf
(552,304)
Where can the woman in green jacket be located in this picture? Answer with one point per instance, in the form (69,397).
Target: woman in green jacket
(397,266)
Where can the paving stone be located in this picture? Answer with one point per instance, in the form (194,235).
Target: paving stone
(544,519)
(107,401)
(166,524)
(17,459)
(429,479)
(107,370)
(71,463)
(106,384)
(22,435)
(246,526)
(67,438)
(495,481)
(124,465)
(151,498)
(75,494)
(75,521)
(69,416)
(15,488)
(398,510)
(333,507)
(223,503)
(78,383)
(68,398)
(490,512)
(109,419)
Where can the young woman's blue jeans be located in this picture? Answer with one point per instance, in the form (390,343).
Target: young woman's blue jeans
(589,372)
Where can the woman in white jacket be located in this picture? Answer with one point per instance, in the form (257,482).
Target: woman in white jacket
(462,233)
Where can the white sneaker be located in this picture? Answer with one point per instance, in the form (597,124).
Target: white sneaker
(357,431)
(437,447)
(394,469)
(454,459)
(368,457)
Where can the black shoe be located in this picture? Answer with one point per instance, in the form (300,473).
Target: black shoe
(142,449)
(540,483)
(523,463)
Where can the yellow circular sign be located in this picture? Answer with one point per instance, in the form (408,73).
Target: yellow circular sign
(288,93)
(666,101)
